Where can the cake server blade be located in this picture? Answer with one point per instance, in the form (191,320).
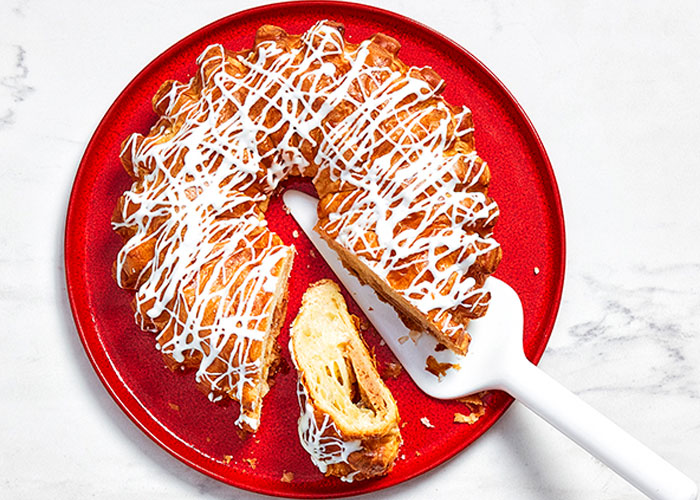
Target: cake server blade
(496,361)
(467,374)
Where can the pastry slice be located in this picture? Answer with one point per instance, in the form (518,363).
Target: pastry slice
(213,288)
(349,421)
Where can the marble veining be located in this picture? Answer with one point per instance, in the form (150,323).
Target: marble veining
(15,88)
(612,89)
(648,317)
(19,7)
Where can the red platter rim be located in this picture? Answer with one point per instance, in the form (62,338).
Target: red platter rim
(76,286)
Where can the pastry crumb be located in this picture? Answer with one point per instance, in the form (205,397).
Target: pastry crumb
(473,400)
(312,253)
(537,271)
(418,453)
(415,335)
(403,339)
(426,422)
(295,233)
(253,462)
(391,370)
(440,347)
(439,369)
(360,323)
(287,477)
(476,405)
(227,459)
(174,406)
(286,209)
(461,418)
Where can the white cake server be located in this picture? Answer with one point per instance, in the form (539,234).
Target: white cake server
(496,361)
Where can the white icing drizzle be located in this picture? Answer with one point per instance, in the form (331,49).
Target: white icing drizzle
(229,167)
(392,186)
(322,442)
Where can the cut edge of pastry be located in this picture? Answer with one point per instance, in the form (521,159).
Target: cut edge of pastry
(349,420)
(249,418)
(171,110)
(415,319)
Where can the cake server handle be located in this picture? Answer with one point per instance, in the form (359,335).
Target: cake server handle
(632,460)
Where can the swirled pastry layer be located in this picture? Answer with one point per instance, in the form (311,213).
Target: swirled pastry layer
(403,199)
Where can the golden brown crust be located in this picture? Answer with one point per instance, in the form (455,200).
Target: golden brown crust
(279,143)
(174,102)
(343,399)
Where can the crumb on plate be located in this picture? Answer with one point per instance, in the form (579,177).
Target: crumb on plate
(391,370)
(439,369)
(476,405)
(426,422)
(415,335)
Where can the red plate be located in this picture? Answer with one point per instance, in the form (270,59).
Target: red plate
(167,406)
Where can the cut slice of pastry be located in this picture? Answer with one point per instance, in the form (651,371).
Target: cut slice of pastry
(349,421)
(403,199)
(213,288)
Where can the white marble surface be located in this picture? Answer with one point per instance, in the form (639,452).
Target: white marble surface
(612,89)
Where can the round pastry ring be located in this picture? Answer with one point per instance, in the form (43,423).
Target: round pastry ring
(88,233)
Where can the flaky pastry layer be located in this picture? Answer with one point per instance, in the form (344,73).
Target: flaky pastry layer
(403,199)
(349,420)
